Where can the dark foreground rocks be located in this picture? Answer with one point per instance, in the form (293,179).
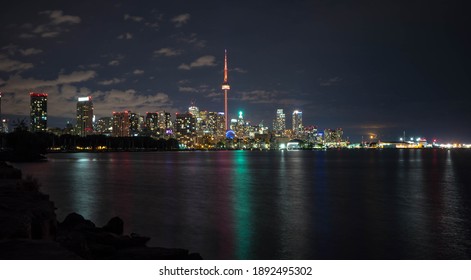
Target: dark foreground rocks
(88,241)
(24,211)
(29,229)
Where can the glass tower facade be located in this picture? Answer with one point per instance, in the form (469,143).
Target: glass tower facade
(84,124)
(38,111)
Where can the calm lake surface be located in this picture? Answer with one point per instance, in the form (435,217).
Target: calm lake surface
(339,204)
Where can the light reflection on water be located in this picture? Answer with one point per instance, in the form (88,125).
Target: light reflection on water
(380,204)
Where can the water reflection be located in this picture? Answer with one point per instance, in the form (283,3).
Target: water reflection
(242,208)
(282,205)
(82,191)
(292,207)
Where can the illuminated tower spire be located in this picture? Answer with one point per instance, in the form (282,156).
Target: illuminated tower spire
(225,88)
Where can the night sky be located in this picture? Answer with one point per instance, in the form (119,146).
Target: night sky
(366,66)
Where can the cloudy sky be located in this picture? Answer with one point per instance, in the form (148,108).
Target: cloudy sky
(366,66)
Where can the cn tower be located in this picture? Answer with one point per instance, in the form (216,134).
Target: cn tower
(225,88)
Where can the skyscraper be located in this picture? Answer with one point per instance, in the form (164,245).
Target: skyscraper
(38,111)
(84,124)
(279,124)
(297,123)
(195,111)
(333,135)
(185,129)
(121,124)
(225,88)
(152,123)
(104,126)
(165,123)
(134,124)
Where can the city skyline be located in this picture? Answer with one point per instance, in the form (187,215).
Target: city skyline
(367,67)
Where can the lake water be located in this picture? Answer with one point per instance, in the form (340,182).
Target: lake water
(335,204)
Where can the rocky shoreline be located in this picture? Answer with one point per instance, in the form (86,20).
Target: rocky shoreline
(29,229)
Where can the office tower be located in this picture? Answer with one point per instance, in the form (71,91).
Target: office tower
(134,124)
(241,127)
(211,123)
(279,124)
(142,123)
(194,111)
(185,129)
(104,126)
(203,115)
(311,134)
(84,123)
(38,111)
(297,123)
(152,123)
(225,87)
(215,124)
(121,124)
(333,135)
(165,123)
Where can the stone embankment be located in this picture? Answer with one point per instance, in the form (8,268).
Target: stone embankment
(29,229)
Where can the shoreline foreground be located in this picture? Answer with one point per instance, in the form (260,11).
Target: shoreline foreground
(29,229)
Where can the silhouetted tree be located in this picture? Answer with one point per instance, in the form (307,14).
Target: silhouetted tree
(23,145)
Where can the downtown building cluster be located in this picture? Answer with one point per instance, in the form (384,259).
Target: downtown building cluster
(194,129)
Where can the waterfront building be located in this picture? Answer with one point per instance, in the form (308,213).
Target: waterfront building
(297,123)
(165,124)
(134,124)
(240,126)
(279,123)
(185,129)
(216,124)
(333,137)
(152,123)
(84,125)
(104,126)
(38,111)
(201,123)
(121,124)
(194,110)
(310,134)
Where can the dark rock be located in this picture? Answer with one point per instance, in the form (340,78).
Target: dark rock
(75,221)
(102,252)
(24,249)
(155,253)
(115,225)
(9,172)
(25,213)
(76,242)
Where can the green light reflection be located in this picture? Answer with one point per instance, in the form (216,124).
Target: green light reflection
(242,205)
